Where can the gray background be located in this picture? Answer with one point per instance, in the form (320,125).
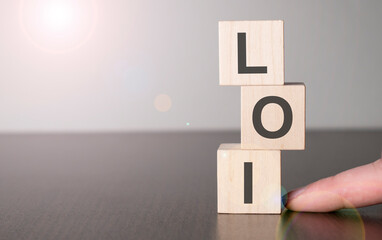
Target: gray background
(141,49)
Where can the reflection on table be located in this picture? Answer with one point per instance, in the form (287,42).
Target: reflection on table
(344,224)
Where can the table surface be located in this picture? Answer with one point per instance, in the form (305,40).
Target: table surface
(163,186)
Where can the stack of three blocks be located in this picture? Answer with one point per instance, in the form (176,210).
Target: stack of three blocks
(251,55)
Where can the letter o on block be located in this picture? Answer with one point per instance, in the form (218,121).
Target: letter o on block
(260,131)
(288,117)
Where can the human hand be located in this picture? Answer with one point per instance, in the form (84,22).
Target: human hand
(357,187)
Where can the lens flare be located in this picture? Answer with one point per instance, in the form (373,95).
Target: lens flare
(58,15)
(58,26)
(283,193)
(345,223)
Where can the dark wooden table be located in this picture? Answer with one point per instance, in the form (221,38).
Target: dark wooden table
(163,186)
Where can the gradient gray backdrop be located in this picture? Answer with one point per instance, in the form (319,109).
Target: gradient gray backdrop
(140,49)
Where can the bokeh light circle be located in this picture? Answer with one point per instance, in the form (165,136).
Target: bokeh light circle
(162,103)
(58,26)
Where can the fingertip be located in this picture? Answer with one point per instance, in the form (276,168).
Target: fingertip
(315,202)
(292,195)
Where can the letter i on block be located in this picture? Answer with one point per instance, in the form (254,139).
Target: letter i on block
(249,181)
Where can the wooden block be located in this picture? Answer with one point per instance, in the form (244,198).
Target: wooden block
(249,181)
(251,52)
(273,117)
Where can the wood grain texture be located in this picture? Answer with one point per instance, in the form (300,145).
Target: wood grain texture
(266,177)
(272,117)
(264,47)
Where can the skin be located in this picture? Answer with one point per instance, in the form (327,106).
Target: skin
(357,187)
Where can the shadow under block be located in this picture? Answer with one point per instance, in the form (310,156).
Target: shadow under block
(251,52)
(249,181)
(273,117)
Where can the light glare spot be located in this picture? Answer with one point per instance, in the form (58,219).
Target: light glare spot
(58,15)
(58,26)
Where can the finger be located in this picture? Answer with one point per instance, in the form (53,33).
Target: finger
(357,187)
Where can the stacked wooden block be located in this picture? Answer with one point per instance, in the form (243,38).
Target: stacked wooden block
(251,55)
